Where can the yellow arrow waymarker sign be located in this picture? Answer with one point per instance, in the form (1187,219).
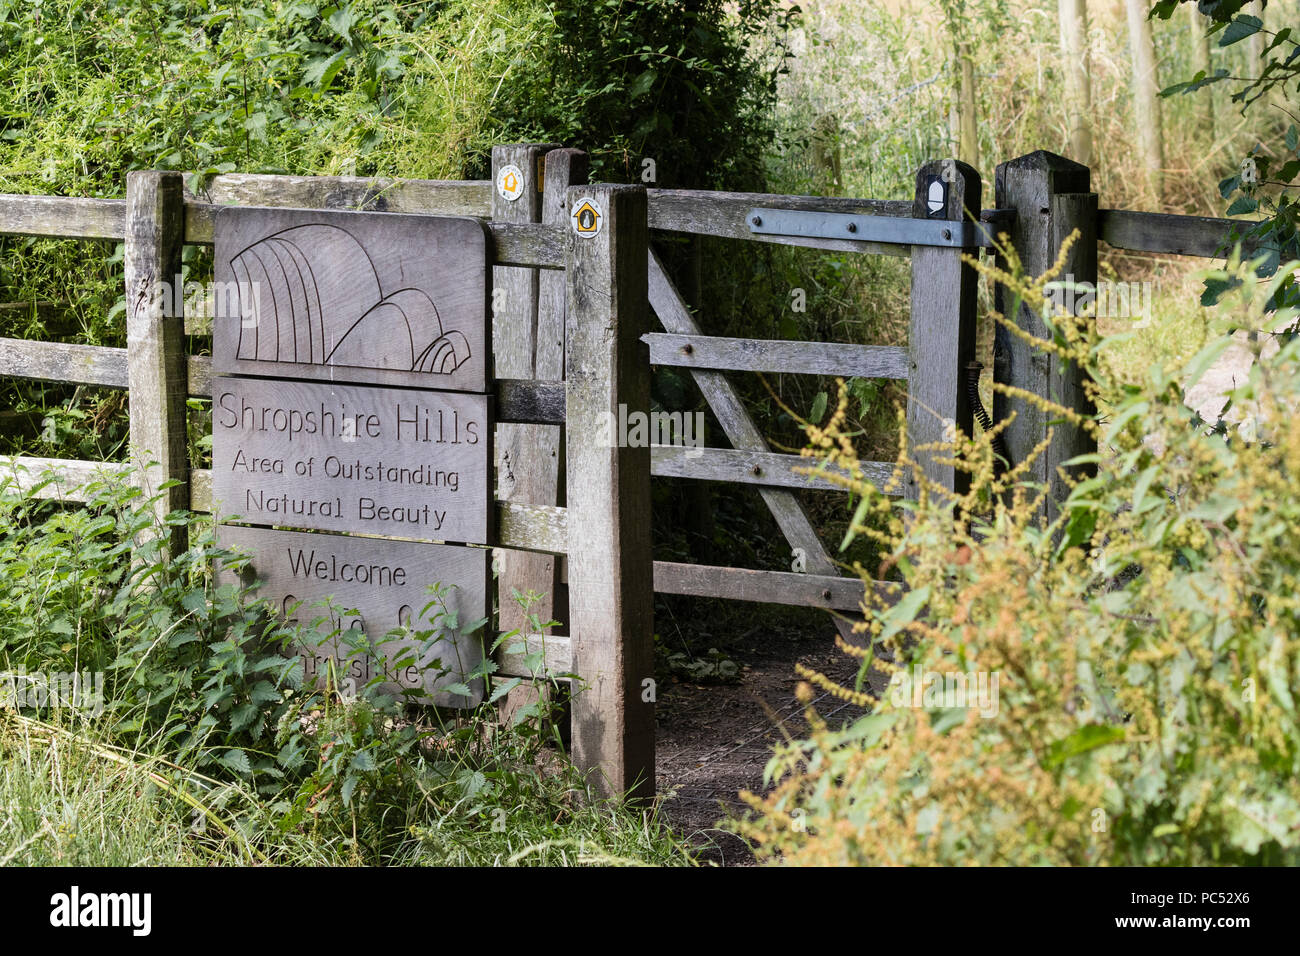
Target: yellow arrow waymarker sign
(510,182)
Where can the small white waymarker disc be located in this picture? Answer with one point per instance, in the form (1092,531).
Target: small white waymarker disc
(587,217)
(936,197)
(510,182)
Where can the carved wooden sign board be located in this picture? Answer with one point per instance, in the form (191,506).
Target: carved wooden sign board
(350,395)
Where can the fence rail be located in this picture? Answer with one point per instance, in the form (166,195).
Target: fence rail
(1202,236)
(767,355)
(541,246)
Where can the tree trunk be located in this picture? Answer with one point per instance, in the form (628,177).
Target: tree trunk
(968,148)
(963,123)
(1146,104)
(1201,62)
(1254,42)
(1078,85)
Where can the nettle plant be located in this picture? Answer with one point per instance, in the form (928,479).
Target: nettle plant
(187,664)
(1147,641)
(201,676)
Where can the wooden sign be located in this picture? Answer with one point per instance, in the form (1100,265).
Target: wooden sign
(387,584)
(382,298)
(376,461)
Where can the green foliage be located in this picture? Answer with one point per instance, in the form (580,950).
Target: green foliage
(671,81)
(1266,180)
(1144,643)
(187,663)
(203,697)
(712,667)
(365,87)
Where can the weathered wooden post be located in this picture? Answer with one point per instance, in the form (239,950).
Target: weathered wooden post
(528,328)
(156,363)
(1051,197)
(525,471)
(611,589)
(941,340)
(563,168)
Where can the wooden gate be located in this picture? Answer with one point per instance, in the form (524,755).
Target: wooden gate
(935,229)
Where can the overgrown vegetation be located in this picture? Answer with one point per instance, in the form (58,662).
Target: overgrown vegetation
(201,706)
(1265,180)
(1141,649)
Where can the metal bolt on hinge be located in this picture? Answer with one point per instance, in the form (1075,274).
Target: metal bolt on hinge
(757,220)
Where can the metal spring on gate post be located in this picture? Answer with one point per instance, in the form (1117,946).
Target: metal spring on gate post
(1002,460)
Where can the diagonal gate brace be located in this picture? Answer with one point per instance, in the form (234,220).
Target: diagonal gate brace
(740,430)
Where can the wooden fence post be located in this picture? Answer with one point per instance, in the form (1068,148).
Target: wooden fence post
(611,588)
(564,168)
(522,450)
(156,362)
(1051,197)
(942,335)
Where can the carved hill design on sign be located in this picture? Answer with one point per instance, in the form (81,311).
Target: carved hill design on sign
(310,280)
(363,297)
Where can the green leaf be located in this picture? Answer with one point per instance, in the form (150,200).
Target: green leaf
(341,22)
(1079,529)
(1243,206)
(1143,483)
(182,637)
(503,688)
(242,716)
(237,761)
(265,692)
(904,612)
(1241,27)
(471,782)
(363,761)
(820,401)
(270,662)
(1200,81)
(642,84)
(944,719)
(1216,289)
(859,515)
(1216,508)
(320,71)
(867,731)
(1084,739)
(1201,362)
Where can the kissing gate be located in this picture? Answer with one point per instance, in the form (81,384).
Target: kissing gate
(396,396)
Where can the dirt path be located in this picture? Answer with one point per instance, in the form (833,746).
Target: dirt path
(1209,395)
(714,740)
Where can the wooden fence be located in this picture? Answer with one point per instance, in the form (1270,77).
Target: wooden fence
(572,343)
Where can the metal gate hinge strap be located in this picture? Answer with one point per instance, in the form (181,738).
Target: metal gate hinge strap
(865,228)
